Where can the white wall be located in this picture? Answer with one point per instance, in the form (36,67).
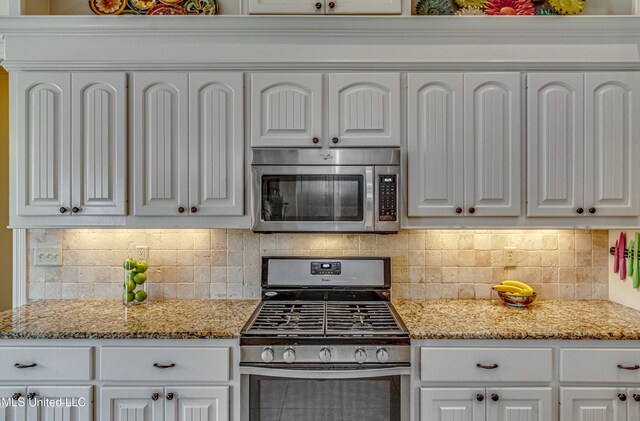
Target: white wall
(622,291)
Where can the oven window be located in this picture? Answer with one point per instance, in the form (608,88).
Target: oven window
(312,198)
(281,399)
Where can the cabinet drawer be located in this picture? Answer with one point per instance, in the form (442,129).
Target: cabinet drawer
(600,365)
(523,365)
(181,364)
(42,363)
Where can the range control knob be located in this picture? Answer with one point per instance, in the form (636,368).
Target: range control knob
(267,355)
(361,356)
(325,355)
(289,355)
(382,355)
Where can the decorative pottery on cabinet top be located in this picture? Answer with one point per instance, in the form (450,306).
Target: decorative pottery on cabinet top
(154,7)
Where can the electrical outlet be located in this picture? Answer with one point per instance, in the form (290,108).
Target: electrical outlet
(142,253)
(47,256)
(509,256)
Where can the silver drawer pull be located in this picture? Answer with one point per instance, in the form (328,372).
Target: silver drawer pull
(163,366)
(18,365)
(487,367)
(627,367)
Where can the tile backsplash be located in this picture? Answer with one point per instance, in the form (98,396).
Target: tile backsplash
(565,264)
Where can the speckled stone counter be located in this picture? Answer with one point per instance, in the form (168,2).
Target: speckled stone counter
(110,319)
(544,319)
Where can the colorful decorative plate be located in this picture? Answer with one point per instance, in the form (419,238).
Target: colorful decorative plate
(107,7)
(165,9)
(200,7)
(141,6)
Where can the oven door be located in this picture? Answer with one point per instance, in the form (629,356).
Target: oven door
(313,198)
(336,395)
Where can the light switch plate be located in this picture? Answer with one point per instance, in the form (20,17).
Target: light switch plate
(47,256)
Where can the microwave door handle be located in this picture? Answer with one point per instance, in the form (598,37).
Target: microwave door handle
(369,199)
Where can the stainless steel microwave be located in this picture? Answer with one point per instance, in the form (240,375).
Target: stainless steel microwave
(336,190)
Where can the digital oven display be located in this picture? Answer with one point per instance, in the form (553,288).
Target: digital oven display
(326,268)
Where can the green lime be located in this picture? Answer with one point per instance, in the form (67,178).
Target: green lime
(129,285)
(131,275)
(130,263)
(140,296)
(140,278)
(142,267)
(129,296)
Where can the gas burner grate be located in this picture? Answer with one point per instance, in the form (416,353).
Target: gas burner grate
(289,318)
(364,318)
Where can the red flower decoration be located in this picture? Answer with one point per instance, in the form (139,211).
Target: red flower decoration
(509,7)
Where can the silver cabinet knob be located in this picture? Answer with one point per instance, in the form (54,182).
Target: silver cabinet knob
(382,355)
(289,355)
(361,356)
(267,355)
(325,355)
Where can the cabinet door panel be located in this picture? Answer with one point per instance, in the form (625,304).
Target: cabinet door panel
(99,138)
(160,144)
(76,404)
(612,138)
(364,109)
(284,7)
(555,144)
(216,144)
(592,403)
(362,7)
(450,404)
(131,404)
(520,404)
(633,405)
(198,403)
(435,145)
(286,109)
(11,409)
(492,143)
(44,146)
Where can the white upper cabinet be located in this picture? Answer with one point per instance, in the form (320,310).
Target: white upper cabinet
(364,109)
(188,144)
(44,143)
(160,143)
(464,144)
(319,7)
(612,143)
(583,144)
(435,144)
(216,145)
(286,110)
(72,144)
(555,146)
(492,111)
(99,143)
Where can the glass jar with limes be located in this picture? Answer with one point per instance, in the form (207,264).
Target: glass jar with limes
(135,281)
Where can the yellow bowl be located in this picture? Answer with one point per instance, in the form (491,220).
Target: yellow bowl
(517,301)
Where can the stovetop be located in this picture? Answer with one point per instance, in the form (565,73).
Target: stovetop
(335,319)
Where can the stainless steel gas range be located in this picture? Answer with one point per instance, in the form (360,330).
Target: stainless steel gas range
(325,343)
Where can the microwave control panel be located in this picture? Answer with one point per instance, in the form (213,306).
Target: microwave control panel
(387,188)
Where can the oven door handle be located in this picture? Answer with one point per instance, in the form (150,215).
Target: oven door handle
(370,191)
(325,374)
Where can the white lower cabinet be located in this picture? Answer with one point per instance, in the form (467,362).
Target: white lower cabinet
(46,403)
(164,403)
(486,404)
(599,404)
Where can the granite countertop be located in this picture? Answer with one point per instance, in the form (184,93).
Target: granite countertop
(110,319)
(544,319)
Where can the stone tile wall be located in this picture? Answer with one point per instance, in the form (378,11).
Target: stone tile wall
(563,264)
